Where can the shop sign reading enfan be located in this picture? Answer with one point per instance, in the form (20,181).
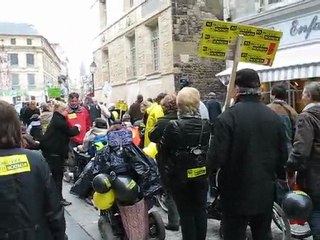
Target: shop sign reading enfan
(259,45)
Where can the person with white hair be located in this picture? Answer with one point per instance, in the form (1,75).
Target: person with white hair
(54,144)
(305,154)
(183,149)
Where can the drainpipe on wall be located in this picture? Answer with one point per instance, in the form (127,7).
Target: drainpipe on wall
(226,10)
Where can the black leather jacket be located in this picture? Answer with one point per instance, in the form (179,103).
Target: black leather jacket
(30,208)
(180,136)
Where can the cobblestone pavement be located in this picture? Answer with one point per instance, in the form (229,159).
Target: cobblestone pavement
(87,218)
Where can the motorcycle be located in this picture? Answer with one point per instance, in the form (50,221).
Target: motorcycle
(124,212)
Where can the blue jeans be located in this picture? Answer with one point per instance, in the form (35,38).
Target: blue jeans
(314,220)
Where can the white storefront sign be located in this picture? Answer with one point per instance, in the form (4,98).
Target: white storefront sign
(299,29)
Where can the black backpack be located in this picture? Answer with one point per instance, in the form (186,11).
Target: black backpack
(94,111)
(190,162)
(36,132)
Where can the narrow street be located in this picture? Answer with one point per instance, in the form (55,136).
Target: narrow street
(82,221)
(74,230)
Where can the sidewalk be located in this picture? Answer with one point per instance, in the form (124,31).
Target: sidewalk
(83,214)
(86,217)
(74,230)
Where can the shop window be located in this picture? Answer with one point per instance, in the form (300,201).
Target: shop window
(295,90)
(265,92)
(294,93)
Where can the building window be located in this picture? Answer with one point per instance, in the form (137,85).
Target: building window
(274,1)
(13,41)
(271,4)
(133,57)
(155,48)
(106,65)
(31,82)
(14,60)
(29,41)
(15,82)
(30,59)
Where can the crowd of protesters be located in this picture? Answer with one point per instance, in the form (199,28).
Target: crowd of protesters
(252,144)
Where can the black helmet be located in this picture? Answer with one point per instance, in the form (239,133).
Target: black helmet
(100,123)
(297,205)
(101,183)
(126,189)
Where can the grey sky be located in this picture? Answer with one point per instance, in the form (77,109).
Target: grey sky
(69,22)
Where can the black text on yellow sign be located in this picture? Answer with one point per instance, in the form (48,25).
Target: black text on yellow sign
(260,45)
(14,164)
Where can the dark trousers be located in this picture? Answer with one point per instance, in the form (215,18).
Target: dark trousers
(234,226)
(193,225)
(173,215)
(55,163)
(193,219)
(314,219)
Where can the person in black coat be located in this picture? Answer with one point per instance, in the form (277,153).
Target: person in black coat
(54,144)
(29,111)
(249,145)
(188,185)
(29,208)
(169,107)
(213,106)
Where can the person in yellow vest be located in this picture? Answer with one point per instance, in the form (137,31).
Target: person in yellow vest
(154,112)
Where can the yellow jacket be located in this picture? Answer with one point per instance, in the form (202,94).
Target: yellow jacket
(154,112)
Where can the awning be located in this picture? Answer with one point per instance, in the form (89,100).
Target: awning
(292,63)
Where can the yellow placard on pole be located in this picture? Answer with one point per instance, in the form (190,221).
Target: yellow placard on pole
(259,45)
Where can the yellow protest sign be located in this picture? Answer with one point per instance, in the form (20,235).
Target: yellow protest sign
(259,45)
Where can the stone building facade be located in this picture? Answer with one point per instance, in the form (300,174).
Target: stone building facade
(151,46)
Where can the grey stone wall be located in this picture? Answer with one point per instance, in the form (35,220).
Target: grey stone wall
(187,16)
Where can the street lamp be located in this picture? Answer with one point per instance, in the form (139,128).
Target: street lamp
(93,68)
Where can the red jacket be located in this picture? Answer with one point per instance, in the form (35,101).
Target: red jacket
(79,116)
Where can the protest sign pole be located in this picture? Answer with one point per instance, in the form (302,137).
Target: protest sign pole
(236,58)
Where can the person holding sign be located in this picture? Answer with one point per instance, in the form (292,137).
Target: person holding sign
(249,146)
